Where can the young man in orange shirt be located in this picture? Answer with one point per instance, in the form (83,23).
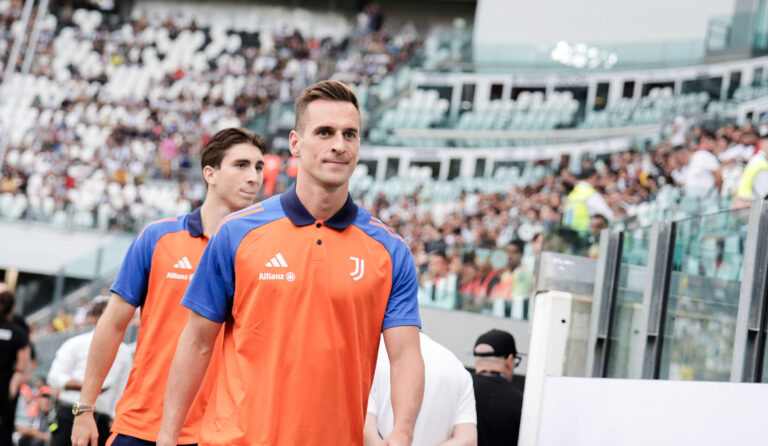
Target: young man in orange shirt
(304,283)
(154,275)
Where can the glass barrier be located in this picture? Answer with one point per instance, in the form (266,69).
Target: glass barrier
(492,281)
(703,296)
(103,260)
(624,339)
(564,240)
(484,280)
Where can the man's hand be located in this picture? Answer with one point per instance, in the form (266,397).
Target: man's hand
(84,431)
(164,440)
(397,439)
(15,385)
(23,430)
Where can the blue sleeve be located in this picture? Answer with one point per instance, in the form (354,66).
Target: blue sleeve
(133,278)
(403,305)
(210,292)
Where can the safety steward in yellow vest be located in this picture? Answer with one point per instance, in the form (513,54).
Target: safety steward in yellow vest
(576,214)
(753,184)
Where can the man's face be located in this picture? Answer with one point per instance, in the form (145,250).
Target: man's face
(45,404)
(237,181)
(437,265)
(515,255)
(597,224)
(328,145)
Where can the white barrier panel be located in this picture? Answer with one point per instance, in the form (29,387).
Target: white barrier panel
(610,412)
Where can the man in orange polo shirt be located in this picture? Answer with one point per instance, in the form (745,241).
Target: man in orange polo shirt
(304,283)
(154,275)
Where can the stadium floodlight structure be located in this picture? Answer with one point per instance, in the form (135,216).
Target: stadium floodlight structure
(15,50)
(35,36)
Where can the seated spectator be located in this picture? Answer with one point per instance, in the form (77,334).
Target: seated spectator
(515,284)
(478,290)
(81,313)
(38,433)
(439,288)
(62,322)
(32,394)
(702,177)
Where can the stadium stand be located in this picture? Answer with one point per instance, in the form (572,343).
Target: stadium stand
(109,107)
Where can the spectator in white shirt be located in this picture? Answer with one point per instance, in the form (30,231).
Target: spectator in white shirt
(68,372)
(448,413)
(702,177)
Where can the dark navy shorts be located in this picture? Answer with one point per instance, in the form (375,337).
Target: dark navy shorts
(125,440)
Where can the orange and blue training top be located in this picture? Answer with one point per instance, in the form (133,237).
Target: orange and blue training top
(304,303)
(154,275)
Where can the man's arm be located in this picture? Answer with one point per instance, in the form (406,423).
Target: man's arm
(718,179)
(407,381)
(193,354)
(60,375)
(107,337)
(464,434)
(22,360)
(33,433)
(370,431)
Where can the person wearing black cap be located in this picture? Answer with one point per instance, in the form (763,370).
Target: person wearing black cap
(499,404)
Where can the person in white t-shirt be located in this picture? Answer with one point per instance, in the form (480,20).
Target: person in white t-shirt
(448,414)
(68,372)
(702,177)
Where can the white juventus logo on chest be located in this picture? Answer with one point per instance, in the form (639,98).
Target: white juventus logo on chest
(359,271)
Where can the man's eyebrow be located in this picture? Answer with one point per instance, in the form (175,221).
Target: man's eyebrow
(243,160)
(326,128)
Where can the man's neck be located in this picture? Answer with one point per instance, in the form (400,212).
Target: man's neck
(491,372)
(320,202)
(211,213)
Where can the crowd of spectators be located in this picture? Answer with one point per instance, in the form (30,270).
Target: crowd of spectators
(93,142)
(156,131)
(698,161)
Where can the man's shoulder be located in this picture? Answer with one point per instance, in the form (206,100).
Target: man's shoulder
(243,221)
(158,228)
(495,386)
(377,230)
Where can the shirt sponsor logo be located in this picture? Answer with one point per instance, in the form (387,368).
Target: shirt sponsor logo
(178,276)
(290,277)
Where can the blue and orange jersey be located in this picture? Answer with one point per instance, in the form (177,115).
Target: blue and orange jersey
(154,276)
(304,303)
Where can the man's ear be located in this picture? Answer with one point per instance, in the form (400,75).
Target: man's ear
(209,174)
(293,140)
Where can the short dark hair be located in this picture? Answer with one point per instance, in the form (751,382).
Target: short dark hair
(519,244)
(97,309)
(214,151)
(439,253)
(7,301)
(586,173)
(327,90)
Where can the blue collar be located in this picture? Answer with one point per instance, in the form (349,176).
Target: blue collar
(300,216)
(195,223)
